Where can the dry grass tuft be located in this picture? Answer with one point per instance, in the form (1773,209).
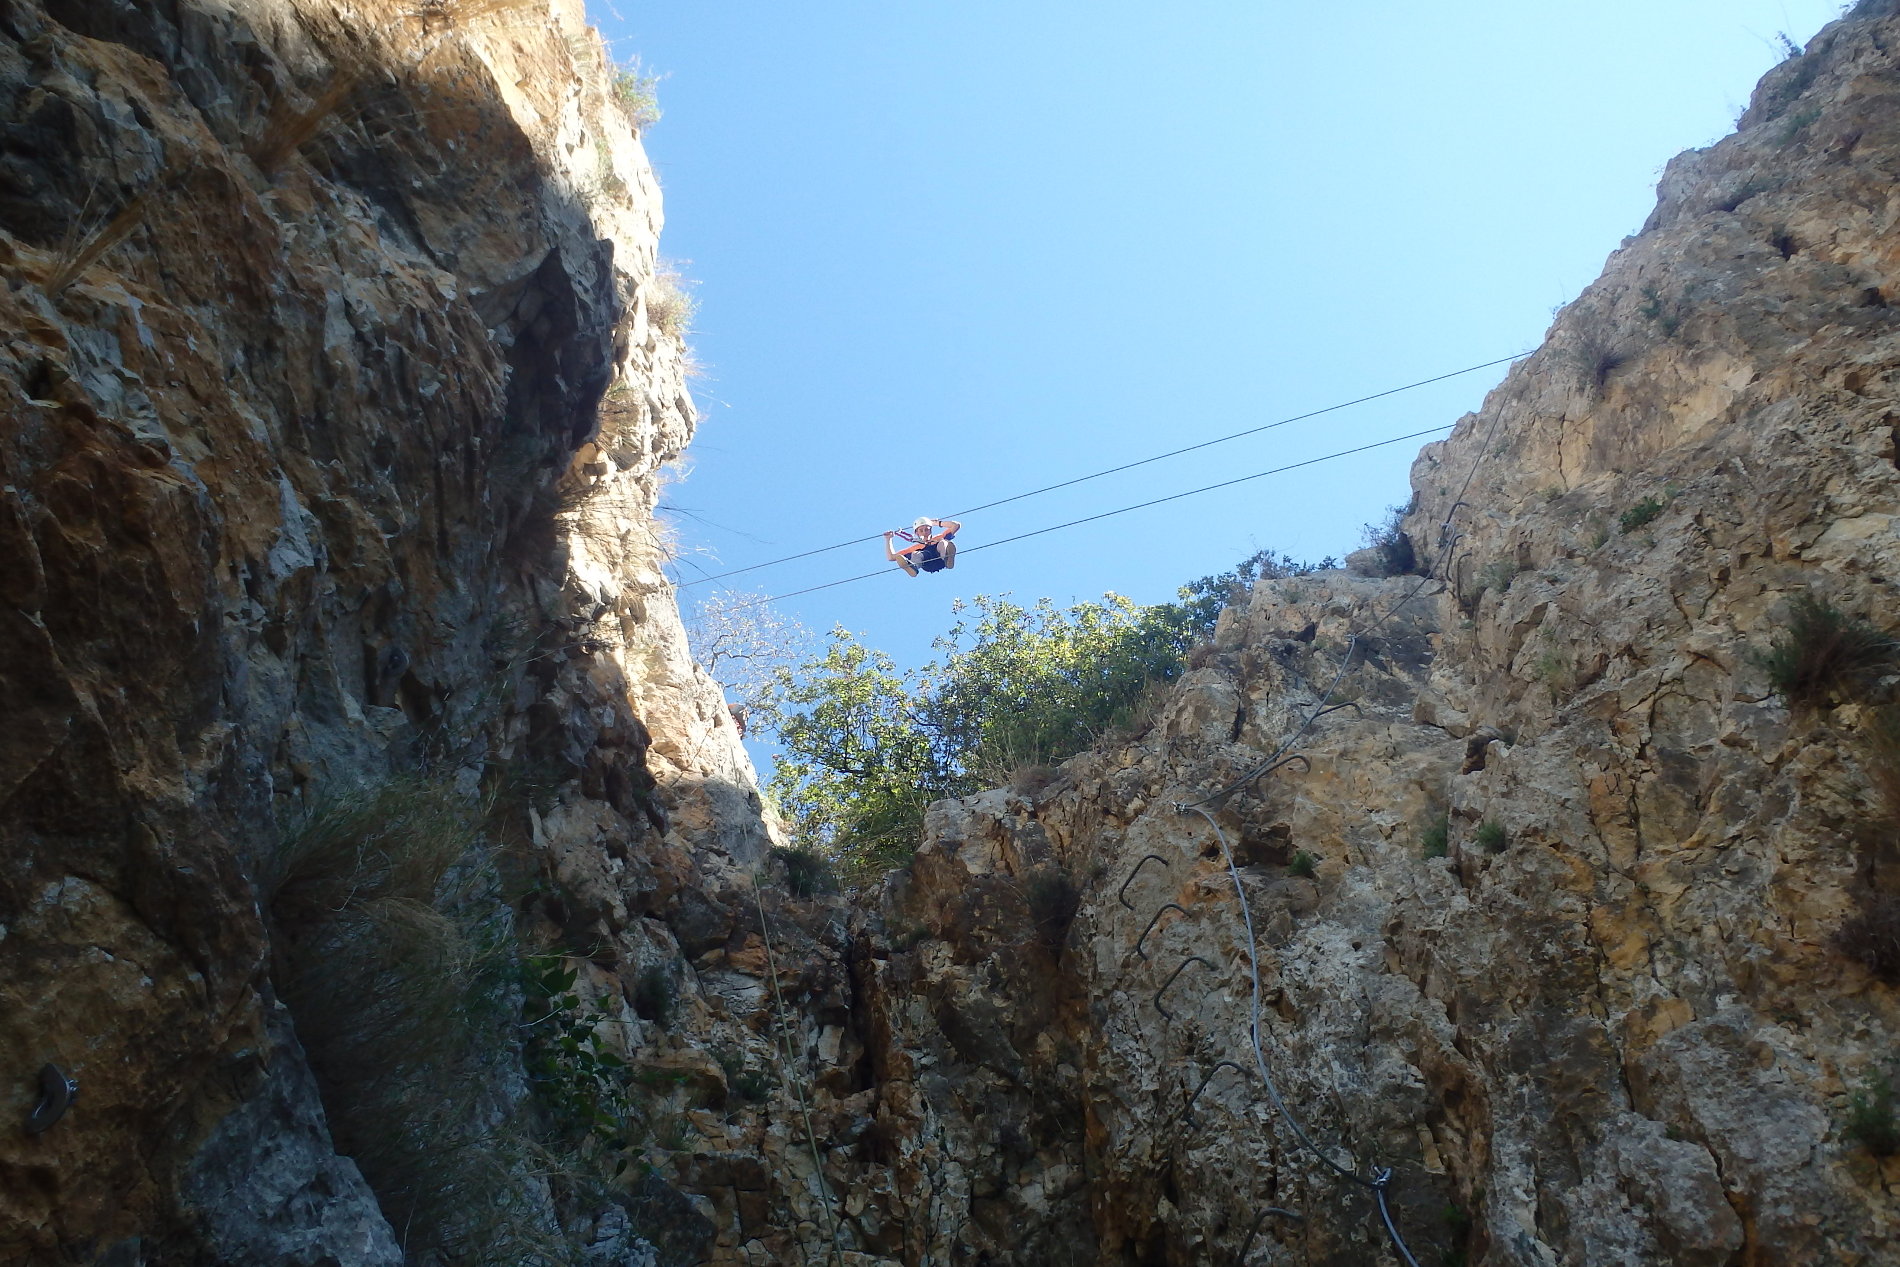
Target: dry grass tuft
(286,130)
(670,305)
(396,963)
(83,253)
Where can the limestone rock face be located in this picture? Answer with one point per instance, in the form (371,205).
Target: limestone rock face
(1504,899)
(337,365)
(1614,1021)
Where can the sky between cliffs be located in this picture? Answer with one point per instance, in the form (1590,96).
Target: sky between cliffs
(947,252)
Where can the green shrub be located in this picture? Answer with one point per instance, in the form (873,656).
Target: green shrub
(656,995)
(1642,513)
(1435,840)
(392,952)
(637,95)
(1490,836)
(1824,653)
(1304,865)
(753,1085)
(1870,1120)
(807,872)
(576,1074)
(1389,539)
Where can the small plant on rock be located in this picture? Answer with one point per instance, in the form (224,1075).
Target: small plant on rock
(1641,514)
(1396,557)
(575,1073)
(1435,840)
(637,96)
(1490,836)
(1498,575)
(1655,308)
(1304,865)
(1826,653)
(1872,937)
(670,304)
(753,1085)
(1870,1120)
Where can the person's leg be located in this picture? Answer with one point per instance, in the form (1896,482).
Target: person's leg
(903,561)
(948,550)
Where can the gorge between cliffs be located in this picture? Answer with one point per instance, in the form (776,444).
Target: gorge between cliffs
(382,882)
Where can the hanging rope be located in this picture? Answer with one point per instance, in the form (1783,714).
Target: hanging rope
(1380,1178)
(784,1057)
(1115,470)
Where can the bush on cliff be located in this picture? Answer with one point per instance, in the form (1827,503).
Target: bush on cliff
(1825,653)
(867,746)
(394,959)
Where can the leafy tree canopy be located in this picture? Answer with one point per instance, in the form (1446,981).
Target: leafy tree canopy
(867,746)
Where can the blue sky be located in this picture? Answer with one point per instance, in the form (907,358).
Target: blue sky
(950,252)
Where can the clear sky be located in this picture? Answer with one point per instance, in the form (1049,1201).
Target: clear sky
(947,252)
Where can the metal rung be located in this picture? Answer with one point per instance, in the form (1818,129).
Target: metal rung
(1122,894)
(1173,977)
(1187,1114)
(1240,1259)
(1151,925)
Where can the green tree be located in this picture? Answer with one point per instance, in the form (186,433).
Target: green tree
(857,768)
(867,747)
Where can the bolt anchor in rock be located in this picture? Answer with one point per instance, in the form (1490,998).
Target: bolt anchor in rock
(57,1093)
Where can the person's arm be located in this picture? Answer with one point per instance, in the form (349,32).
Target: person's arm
(898,559)
(948,528)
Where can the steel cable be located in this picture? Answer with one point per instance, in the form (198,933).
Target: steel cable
(1107,514)
(1382,1177)
(1113,470)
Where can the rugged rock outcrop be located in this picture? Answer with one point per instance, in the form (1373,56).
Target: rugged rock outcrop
(338,366)
(1616,1020)
(337,371)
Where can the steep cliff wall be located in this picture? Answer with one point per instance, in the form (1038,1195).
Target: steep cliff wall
(337,371)
(338,367)
(1616,1021)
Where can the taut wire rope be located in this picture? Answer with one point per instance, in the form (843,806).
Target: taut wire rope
(1126,466)
(1107,514)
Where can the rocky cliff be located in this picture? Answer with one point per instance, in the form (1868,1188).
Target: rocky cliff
(1592,942)
(379,867)
(338,370)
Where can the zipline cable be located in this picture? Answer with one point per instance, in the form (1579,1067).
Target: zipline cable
(1107,514)
(1126,466)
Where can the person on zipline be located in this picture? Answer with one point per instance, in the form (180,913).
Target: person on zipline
(932,546)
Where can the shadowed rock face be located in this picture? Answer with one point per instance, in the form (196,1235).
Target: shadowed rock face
(305,479)
(334,457)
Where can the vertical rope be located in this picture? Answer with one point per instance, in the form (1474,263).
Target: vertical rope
(783,1056)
